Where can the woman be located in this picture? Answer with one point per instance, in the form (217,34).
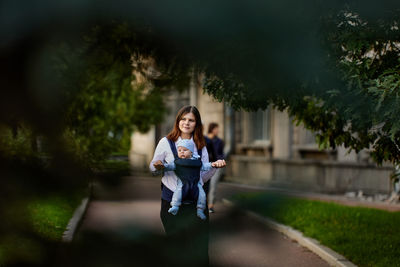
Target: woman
(186,232)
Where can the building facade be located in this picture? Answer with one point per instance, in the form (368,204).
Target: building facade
(270,150)
(266,148)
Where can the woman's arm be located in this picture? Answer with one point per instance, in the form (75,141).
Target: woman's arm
(206,166)
(206,175)
(159,155)
(216,164)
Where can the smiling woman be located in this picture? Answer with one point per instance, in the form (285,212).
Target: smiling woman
(187,233)
(187,124)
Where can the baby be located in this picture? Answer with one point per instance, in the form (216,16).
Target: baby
(187,168)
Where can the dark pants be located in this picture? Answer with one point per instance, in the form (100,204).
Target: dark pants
(187,235)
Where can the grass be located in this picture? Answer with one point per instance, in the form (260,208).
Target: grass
(116,166)
(47,217)
(50,215)
(365,236)
(120,153)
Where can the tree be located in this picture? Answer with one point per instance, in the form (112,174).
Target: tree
(105,103)
(334,66)
(89,93)
(354,99)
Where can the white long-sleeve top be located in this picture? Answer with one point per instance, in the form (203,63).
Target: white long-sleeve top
(163,152)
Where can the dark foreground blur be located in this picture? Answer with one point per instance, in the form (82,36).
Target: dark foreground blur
(34,96)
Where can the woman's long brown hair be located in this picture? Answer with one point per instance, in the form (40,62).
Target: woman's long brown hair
(198,137)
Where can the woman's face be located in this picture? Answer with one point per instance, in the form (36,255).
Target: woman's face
(187,123)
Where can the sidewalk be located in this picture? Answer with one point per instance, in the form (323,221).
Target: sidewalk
(234,188)
(240,240)
(235,240)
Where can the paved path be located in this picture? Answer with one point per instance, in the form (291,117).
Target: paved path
(235,240)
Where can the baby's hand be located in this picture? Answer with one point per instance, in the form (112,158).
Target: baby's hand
(158,165)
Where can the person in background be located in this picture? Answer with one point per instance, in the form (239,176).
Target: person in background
(216,146)
(210,149)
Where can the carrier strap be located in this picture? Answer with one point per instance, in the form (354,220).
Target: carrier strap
(173,148)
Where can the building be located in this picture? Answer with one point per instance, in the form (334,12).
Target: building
(266,148)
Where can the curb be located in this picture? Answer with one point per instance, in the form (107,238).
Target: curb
(73,223)
(77,217)
(331,257)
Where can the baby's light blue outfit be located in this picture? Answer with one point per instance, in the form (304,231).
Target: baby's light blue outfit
(177,195)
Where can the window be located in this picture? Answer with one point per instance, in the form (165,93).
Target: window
(309,137)
(260,125)
(255,133)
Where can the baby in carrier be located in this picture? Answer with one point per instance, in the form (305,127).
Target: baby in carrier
(187,167)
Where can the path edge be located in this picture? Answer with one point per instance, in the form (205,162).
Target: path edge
(331,257)
(77,217)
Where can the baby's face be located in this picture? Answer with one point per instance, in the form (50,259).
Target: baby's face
(184,153)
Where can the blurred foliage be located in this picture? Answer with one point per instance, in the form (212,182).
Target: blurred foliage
(68,96)
(17,141)
(98,104)
(110,172)
(48,218)
(66,108)
(14,247)
(105,103)
(334,66)
(349,93)
(351,231)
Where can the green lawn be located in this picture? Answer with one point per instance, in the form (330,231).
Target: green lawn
(116,167)
(365,236)
(47,217)
(50,215)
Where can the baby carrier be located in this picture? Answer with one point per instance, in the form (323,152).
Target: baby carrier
(188,170)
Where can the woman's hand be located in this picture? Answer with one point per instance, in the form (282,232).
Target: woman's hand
(158,165)
(219,163)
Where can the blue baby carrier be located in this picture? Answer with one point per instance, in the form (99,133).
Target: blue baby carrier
(188,170)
